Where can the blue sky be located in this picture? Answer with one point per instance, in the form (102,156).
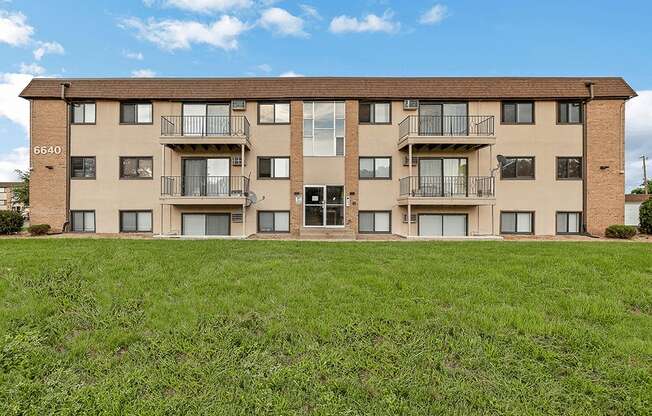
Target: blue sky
(370,37)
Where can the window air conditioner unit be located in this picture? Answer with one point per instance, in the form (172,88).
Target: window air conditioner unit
(238,105)
(413,219)
(406,160)
(410,104)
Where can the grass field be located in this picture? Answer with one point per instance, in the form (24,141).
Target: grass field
(267,327)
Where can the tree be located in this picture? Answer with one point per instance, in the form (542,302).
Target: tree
(21,192)
(645,216)
(639,190)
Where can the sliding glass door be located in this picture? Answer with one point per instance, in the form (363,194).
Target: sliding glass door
(448,119)
(206,177)
(205,224)
(206,119)
(442,225)
(442,176)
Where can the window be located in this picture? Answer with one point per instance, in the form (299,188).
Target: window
(518,113)
(517,222)
(569,112)
(375,113)
(568,222)
(323,128)
(136,167)
(273,113)
(569,168)
(375,168)
(273,167)
(440,225)
(136,113)
(273,221)
(324,206)
(82,167)
(135,221)
(517,168)
(374,222)
(83,113)
(83,221)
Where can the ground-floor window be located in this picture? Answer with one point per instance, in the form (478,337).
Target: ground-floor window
(440,225)
(206,224)
(273,222)
(135,221)
(568,222)
(374,221)
(82,221)
(517,222)
(324,206)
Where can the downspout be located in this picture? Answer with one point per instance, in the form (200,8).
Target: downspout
(585,115)
(65,85)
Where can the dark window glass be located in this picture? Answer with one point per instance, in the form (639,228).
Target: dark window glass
(516,222)
(274,167)
(570,112)
(375,113)
(518,113)
(517,168)
(136,167)
(128,113)
(273,221)
(374,222)
(135,113)
(264,167)
(82,221)
(82,167)
(569,168)
(568,222)
(375,167)
(364,114)
(135,221)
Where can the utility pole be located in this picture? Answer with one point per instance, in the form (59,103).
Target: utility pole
(644,174)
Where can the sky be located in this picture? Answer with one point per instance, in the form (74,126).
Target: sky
(191,38)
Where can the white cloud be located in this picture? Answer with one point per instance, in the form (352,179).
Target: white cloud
(143,73)
(638,137)
(282,22)
(14,29)
(370,23)
(310,11)
(32,69)
(264,67)
(434,15)
(207,6)
(289,74)
(12,106)
(17,158)
(133,55)
(181,34)
(47,47)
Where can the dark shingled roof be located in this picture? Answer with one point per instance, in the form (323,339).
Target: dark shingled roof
(480,88)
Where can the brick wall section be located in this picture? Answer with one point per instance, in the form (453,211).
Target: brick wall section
(351,165)
(296,166)
(48,188)
(605,202)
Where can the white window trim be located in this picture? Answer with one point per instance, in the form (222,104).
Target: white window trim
(312,153)
(325,204)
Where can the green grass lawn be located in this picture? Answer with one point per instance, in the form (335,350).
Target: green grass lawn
(268,327)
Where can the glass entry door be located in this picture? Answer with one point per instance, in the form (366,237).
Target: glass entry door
(206,177)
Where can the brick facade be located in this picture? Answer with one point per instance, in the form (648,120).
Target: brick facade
(48,188)
(296,166)
(604,159)
(351,165)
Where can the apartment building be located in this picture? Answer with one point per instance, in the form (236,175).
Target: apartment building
(328,157)
(7,200)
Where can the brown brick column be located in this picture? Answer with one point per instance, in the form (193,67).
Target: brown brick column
(296,166)
(48,185)
(604,159)
(352,152)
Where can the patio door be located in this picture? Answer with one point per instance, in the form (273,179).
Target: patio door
(205,224)
(442,176)
(430,119)
(448,119)
(206,119)
(442,225)
(430,177)
(206,177)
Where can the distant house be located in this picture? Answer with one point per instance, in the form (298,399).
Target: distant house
(632,205)
(7,201)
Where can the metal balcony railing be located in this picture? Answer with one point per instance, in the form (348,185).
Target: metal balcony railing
(446,126)
(236,126)
(447,186)
(205,186)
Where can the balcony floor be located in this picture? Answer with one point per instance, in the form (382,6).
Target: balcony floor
(445,200)
(203,200)
(447,142)
(205,141)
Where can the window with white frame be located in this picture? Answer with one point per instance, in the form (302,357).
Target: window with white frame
(83,113)
(323,128)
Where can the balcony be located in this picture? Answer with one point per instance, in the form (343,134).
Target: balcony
(204,190)
(446,132)
(447,190)
(204,131)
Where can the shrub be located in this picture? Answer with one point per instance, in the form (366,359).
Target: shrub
(645,217)
(11,222)
(621,231)
(39,229)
